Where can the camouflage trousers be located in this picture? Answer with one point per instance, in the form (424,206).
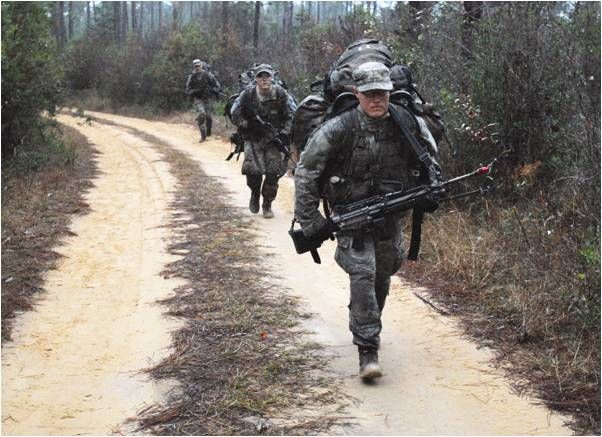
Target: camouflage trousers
(369,268)
(268,186)
(204,110)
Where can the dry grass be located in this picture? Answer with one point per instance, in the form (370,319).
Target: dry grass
(42,188)
(240,360)
(524,288)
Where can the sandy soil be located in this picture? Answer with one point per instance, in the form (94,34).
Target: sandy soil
(435,381)
(72,367)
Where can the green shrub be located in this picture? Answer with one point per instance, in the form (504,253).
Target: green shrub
(31,76)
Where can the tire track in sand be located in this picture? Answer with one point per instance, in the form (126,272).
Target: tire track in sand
(73,365)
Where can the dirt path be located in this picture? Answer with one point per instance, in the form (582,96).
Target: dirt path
(71,368)
(435,382)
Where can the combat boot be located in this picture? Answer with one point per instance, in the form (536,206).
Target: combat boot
(203,134)
(267,210)
(254,202)
(369,367)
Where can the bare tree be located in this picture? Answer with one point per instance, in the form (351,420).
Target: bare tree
(473,11)
(58,23)
(125,23)
(416,11)
(176,13)
(225,19)
(116,20)
(70,20)
(151,5)
(141,23)
(134,19)
(160,14)
(256,29)
(88,14)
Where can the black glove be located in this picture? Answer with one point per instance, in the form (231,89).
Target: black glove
(327,230)
(428,203)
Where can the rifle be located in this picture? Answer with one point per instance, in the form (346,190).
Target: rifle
(266,125)
(368,214)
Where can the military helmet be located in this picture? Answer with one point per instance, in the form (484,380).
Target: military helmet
(196,62)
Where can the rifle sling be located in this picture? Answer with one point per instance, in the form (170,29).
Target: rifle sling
(417,216)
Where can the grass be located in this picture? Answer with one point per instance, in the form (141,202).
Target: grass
(527,290)
(42,188)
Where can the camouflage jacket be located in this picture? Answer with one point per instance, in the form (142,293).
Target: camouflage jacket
(274,109)
(202,85)
(352,157)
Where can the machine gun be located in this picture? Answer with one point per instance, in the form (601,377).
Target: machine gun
(273,132)
(368,214)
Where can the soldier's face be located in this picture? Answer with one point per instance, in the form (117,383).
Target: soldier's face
(264,81)
(375,103)
(198,67)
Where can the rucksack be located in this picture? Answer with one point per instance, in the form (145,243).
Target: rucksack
(337,96)
(246,79)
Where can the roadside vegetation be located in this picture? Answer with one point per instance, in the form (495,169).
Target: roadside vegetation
(43,187)
(522,266)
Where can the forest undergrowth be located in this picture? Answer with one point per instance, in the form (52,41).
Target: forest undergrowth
(520,289)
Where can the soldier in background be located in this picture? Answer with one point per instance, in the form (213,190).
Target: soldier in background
(202,86)
(264,116)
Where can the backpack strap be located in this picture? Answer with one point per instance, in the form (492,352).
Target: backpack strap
(427,161)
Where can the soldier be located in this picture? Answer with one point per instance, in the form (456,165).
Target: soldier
(358,154)
(203,87)
(264,118)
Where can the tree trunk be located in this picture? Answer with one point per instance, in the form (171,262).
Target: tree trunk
(116,20)
(416,11)
(151,5)
(318,12)
(70,20)
(141,21)
(225,19)
(473,12)
(160,14)
(134,19)
(88,23)
(176,11)
(256,29)
(125,22)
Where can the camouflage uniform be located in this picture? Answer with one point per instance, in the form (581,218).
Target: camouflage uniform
(349,158)
(262,156)
(203,86)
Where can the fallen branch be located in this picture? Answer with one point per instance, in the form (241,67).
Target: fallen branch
(432,305)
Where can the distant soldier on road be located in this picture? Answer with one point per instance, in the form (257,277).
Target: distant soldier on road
(203,87)
(264,118)
(351,157)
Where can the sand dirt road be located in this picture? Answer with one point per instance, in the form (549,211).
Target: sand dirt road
(435,381)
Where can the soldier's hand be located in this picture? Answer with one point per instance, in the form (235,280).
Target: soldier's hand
(327,231)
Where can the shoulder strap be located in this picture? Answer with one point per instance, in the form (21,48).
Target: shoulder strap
(419,150)
(425,158)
